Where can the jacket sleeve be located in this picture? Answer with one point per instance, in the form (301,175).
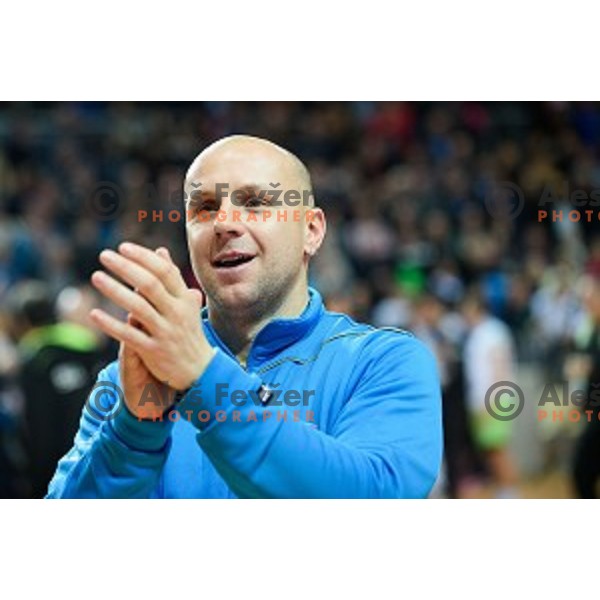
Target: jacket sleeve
(385,443)
(114,454)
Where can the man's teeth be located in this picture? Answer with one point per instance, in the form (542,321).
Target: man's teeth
(233,261)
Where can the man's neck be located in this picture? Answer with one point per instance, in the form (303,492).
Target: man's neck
(238,329)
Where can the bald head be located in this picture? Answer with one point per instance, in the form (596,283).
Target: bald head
(248,196)
(236,147)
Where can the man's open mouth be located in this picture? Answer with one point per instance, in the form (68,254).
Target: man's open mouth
(232,260)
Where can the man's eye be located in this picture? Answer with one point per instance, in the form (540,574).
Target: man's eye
(253,202)
(207,206)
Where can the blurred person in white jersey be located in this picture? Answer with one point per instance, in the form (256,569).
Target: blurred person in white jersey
(489,358)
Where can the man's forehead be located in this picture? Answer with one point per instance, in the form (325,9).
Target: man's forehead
(241,170)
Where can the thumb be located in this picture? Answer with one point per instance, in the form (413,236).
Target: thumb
(128,357)
(126,353)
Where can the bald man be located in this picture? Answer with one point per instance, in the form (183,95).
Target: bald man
(266,394)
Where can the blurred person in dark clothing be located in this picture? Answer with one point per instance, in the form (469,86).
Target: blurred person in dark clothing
(58,365)
(583,368)
(12,460)
(433,324)
(73,306)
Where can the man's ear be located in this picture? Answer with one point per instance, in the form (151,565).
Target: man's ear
(316,227)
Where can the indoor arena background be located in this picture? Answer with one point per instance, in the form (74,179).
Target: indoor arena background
(432,208)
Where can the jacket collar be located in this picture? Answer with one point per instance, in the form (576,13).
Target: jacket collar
(278,334)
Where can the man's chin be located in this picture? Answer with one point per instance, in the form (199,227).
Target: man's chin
(239,296)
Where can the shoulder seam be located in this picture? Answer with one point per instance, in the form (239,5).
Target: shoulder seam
(303,361)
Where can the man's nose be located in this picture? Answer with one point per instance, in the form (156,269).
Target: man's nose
(228,220)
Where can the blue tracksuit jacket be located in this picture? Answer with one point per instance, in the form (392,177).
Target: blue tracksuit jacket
(354,412)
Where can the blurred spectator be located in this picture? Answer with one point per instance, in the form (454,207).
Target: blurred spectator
(555,310)
(583,369)
(437,326)
(59,362)
(489,359)
(12,455)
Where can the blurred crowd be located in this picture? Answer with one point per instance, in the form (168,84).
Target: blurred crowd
(434,225)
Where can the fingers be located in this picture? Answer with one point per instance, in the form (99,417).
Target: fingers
(159,264)
(144,281)
(155,305)
(133,321)
(197,295)
(140,309)
(122,332)
(164,253)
